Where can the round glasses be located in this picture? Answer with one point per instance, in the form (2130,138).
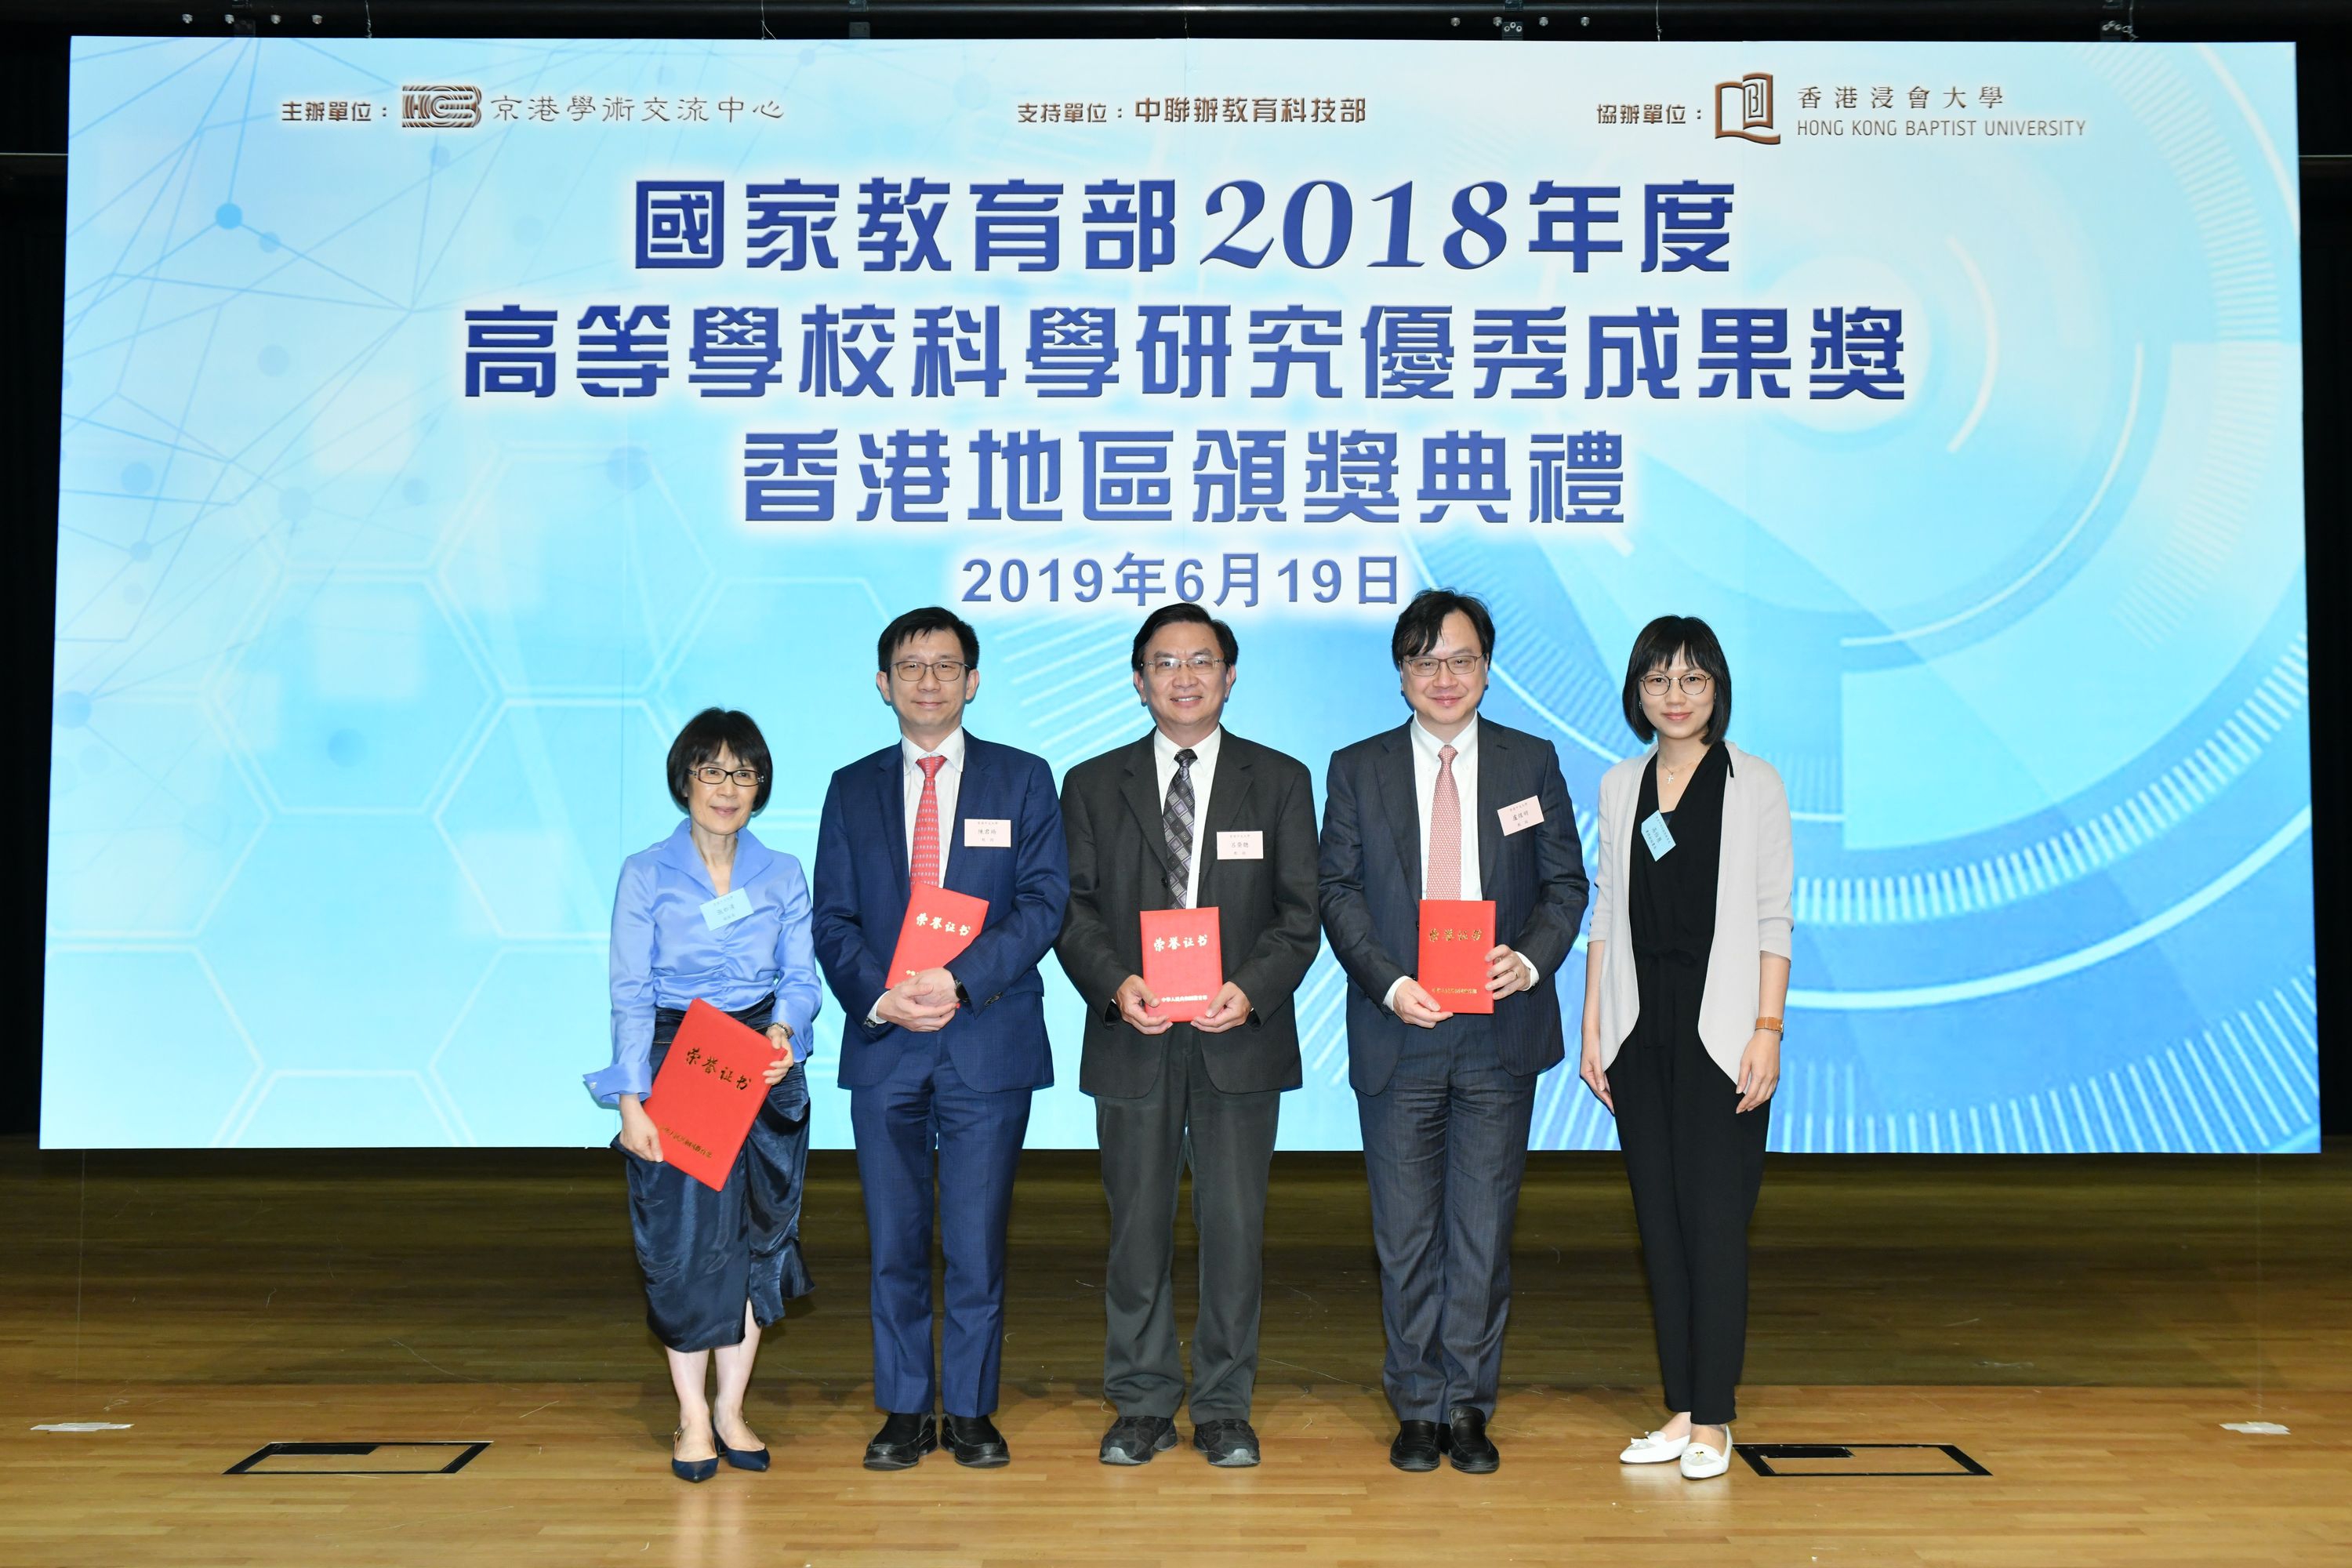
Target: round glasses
(1694,684)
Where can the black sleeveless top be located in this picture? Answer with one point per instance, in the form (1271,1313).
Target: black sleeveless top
(1669,902)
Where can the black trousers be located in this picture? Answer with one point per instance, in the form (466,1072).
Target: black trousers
(1696,1165)
(1445,1145)
(1146,1141)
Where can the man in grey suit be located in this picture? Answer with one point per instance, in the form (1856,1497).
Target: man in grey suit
(1189,816)
(1449,805)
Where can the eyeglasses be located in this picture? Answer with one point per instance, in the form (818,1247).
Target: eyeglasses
(1694,684)
(910,670)
(1168,664)
(714,775)
(1426,666)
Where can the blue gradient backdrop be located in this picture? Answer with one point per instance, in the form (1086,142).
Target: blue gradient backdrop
(362,687)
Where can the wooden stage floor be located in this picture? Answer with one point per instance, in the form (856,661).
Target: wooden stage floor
(2080,1328)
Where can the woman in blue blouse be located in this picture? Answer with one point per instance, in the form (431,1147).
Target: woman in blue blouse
(711,912)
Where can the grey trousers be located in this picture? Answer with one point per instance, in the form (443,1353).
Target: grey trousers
(1146,1141)
(1444,1146)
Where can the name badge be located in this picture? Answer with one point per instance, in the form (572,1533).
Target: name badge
(988,833)
(1521,815)
(1249,846)
(719,913)
(1658,836)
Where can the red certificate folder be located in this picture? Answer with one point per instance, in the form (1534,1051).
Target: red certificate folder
(1456,935)
(1183,961)
(708,1089)
(938,925)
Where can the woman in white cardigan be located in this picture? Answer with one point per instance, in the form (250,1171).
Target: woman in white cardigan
(1684,975)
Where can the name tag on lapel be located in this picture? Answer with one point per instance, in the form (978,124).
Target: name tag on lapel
(1520,816)
(988,833)
(719,913)
(1249,846)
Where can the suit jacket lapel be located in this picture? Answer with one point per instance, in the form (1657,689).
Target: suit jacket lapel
(1402,805)
(891,779)
(970,789)
(1142,793)
(1495,760)
(1226,798)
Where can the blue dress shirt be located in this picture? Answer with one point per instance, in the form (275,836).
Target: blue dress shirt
(664,954)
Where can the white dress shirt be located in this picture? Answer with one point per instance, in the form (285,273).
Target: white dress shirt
(950,777)
(1425,764)
(911,780)
(1204,773)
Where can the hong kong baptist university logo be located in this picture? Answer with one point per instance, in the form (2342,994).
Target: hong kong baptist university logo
(1743,109)
(440,108)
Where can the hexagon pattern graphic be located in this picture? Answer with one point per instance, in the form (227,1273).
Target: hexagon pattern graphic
(353,695)
(179,1058)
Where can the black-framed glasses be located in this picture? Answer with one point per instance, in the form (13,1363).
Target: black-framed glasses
(714,775)
(1425,668)
(1694,684)
(910,670)
(1199,663)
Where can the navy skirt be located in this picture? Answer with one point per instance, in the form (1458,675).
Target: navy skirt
(706,1254)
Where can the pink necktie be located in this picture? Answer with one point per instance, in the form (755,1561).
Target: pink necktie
(1445,880)
(923,865)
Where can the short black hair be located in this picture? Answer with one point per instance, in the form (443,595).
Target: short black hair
(919,623)
(709,733)
(1656,649)
(1188,614)
(1423,622)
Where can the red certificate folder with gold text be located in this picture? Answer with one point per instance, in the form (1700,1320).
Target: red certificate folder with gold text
(938,925)
(1183,961)
(708,1089)
(1456,935)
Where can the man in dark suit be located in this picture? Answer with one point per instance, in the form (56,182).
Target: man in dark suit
(942,1064)
(1188,817)
(1450,806)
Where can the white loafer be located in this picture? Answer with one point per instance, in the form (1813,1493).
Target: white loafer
(1649,1448)
(1702,1463)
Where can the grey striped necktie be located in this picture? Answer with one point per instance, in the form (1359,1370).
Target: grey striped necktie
(1176,822)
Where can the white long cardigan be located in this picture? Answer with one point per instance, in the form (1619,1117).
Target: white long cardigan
(1751,904)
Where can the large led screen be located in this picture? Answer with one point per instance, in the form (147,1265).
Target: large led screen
(445,422)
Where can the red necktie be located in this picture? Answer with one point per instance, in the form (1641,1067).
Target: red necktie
(1445,880)
(923,865)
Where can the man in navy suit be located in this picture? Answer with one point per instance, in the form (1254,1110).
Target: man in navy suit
(1449,805)
(941,1065)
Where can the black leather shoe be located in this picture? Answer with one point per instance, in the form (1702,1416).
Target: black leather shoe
(1134,1439)
(1464,1438)
(903,1440)
(1415,1447)
(975,1441)
(1230,1444)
